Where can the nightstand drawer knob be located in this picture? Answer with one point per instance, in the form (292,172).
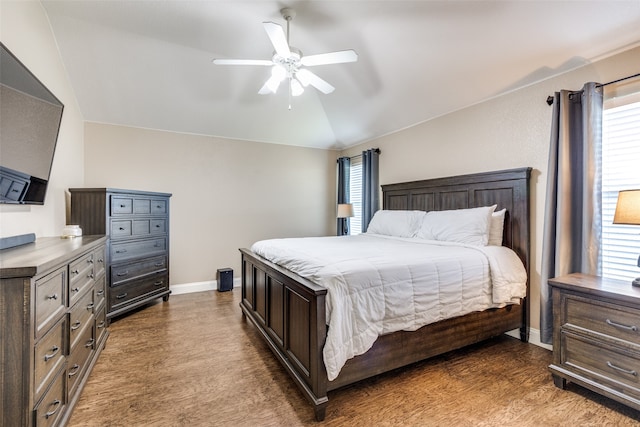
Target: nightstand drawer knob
(626,371)
(56,404)
(633,328)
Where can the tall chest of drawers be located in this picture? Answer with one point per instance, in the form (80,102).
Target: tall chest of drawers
(52,326)
(596,336)
(137,224)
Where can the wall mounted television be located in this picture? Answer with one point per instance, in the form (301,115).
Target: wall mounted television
(30,117)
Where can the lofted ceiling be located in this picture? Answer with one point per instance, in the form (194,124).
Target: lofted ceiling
(148,63)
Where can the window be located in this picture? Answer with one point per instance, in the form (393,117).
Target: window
(355,195)
(620,171)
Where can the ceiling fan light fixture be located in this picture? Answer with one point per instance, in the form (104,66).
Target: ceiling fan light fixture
(296,87)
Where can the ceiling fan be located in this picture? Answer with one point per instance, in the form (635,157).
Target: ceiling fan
(288,63)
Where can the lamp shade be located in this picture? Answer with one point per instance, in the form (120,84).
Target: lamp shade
(628,208)
(345,210)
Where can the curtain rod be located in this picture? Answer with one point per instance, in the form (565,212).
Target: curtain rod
(377,150)
(550,98)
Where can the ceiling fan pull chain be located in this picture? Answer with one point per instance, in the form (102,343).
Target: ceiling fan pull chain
(289,86)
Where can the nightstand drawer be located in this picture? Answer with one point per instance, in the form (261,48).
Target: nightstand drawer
(614,320)
(606,365)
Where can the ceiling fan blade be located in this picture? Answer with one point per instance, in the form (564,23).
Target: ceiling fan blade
(307,78)
(330,58)
(243,62)
(278,38)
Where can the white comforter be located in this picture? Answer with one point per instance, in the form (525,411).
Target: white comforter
(379,284)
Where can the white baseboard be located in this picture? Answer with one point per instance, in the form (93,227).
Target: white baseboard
(534,337)
(187,288)
(212,285)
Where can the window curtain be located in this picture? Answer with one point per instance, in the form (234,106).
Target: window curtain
(344,168)
(370,186)
(572,216)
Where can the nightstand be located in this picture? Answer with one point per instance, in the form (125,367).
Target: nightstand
(596,336)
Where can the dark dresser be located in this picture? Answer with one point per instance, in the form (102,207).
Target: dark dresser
(137,224)
(596,336)
(53,326)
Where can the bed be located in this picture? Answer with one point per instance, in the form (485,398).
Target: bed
(289,310)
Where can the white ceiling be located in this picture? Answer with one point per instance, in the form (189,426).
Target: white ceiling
(148,63)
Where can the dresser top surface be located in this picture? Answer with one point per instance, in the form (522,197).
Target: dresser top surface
(43,254)
(595,285)
(119,191)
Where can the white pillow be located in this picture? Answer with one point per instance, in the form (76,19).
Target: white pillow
(468,226)
(396,223)
(497,228)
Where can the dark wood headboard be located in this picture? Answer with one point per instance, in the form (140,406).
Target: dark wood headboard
(508,189)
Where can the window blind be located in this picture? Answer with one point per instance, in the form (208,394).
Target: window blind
(355,196)
(620,171)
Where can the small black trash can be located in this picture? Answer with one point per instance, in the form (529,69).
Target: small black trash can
(225,279)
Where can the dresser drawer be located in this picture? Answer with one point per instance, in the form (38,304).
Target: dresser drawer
(158,207)
(608,365)
(80,277)
(99,261)
(101,323)
(50,302)
(614,320)
(79,357)
(48,357)
(137,249)
(52,406)
(121,228)
(99,292)
(121,205)
(80,317)
(124,272)
(120,296)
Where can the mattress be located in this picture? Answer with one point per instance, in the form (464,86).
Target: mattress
(379,284)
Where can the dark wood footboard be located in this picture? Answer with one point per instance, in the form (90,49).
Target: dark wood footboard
(289,310)
(289,313)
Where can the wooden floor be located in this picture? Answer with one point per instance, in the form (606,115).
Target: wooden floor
(193,361)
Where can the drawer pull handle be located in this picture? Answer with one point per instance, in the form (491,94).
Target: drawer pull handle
(633,328)
(76,271)
(90,275)
(100,292)
(158,264)
(124,295)
(123,206)
(626,371)
(76,289)
(54,296)
(75,325)
(121,228)
(124,273)
(121,251)
(56,404)
(90,261)
(100,260)
(90,306)
(74,370)
(158,283)
(157,245)
(55,349)
(157,225)
(89,343)
(100,325)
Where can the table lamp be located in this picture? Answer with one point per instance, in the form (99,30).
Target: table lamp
(628,212)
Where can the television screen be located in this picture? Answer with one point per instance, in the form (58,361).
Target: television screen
(30,118)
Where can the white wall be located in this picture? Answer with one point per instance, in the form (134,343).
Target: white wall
(506,132)
(226,193)
(25,31)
